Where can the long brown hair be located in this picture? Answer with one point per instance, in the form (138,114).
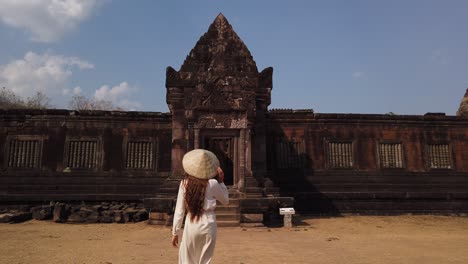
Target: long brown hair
(194,196)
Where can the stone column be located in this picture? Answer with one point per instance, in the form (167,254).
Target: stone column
(242,161)
(196,138)
(190,141)
(179,143)
(259,161)
(248,149)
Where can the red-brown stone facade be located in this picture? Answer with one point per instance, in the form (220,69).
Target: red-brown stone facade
(329,163)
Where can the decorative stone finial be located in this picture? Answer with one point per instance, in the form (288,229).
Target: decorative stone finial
(463,110)
(220,50)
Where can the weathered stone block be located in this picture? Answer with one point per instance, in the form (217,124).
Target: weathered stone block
(141,215)
(251,218)
(6,217)
(76,218)
(97,208)
(116,207)
(118,216)
(93,218)
(15,217)
(80,216)
(107,216)
(128,214)
(61,212)
(156,218)
(43,212)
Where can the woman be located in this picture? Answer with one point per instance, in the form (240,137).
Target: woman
(198,192)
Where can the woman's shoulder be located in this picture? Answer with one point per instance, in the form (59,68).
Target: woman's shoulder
(212,181)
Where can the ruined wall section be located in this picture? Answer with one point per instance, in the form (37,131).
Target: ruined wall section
(377,164)
(82,155)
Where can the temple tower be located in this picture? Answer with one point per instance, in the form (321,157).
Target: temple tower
(218,101)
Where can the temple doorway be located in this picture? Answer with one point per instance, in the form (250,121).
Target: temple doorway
(224,149)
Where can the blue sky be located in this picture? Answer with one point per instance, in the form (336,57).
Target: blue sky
(406,57)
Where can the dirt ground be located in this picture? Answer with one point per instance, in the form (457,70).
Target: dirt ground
(351,239)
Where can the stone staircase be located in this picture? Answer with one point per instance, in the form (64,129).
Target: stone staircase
(226,215)
(229,215)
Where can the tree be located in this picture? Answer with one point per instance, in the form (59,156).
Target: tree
(10,100)
(80,102)
(38,101)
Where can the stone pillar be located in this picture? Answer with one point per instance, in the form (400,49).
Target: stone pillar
(242,160)
(196,138)
(179,143)
(259,158)
(248,150)
(190,141)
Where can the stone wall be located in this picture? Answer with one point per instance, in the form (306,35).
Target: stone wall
(370,164)
(82,155)
(330,163)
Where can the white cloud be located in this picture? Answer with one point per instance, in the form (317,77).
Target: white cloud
(358,74)
(46,72)
(46,20)
(75,91)
(118,95)
(129,105)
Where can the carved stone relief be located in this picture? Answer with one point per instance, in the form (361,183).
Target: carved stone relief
(221,121)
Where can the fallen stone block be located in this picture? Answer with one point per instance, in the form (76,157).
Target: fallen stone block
(251,218)
(21,217)
(141,215)
(61,212)
(107,217)
(43,212)
(80,216)
(93,217)
(15,217)
(5,217)
(118,216)
(97,208)
(116,207)
(128,214)
(76,218)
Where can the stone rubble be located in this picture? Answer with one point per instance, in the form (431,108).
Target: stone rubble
(115,212)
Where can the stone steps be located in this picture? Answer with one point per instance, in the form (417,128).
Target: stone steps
(228,215)
(228,223)
(230,209)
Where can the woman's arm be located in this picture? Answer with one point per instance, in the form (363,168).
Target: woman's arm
(220,190)
(179,210)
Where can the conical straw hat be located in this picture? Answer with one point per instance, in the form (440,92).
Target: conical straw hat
(201,163)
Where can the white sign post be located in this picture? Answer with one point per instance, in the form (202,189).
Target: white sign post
(288,213)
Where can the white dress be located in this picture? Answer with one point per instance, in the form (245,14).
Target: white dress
(199,238)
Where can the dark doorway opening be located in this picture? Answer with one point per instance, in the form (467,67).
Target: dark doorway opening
(223,148)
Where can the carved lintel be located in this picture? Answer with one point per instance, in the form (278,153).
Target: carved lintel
(238,123)
(221,121)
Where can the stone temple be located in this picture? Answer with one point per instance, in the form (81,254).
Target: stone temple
(318,163)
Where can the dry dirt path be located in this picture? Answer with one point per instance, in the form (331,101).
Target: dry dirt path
(352,239)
